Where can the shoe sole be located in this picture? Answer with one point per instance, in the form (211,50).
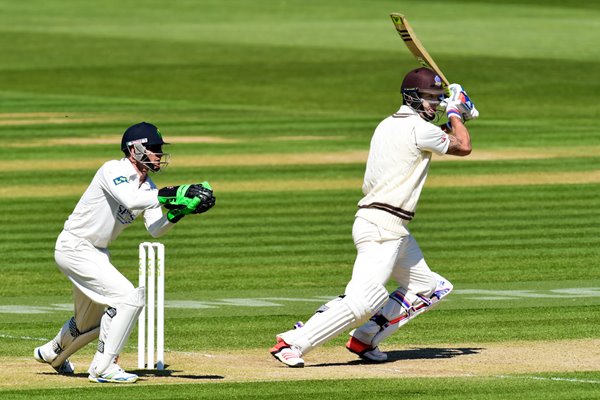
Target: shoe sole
(102,380)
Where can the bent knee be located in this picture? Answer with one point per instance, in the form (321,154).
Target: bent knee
(135,297)
(433,284)
(443,286)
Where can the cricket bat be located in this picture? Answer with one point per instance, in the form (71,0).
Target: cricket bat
(414,45)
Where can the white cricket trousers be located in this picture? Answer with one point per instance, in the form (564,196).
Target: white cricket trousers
(90,271)
(383,254)
(96,284)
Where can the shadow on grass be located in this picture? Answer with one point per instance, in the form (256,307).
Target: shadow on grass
(170,373)
(152,373)
(413,354)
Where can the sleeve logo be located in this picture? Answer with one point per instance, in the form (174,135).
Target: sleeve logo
(121,179)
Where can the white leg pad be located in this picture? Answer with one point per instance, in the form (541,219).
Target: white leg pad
(360,302)
(115,328)
(329,304)
(77,332)
(399,310)
(70,339)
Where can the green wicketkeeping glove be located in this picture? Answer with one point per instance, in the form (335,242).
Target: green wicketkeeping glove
(175,197)
(204,192)
(176,214)
(186,199)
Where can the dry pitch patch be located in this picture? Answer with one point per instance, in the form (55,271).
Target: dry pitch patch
(343,157)
(314,158)
(592,177)
(447,360)
(278,159)
(113,139)
(52,118)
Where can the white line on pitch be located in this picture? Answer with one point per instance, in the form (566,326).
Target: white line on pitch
(22,337)
(542,378)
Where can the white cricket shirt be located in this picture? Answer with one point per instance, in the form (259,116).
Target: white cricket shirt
(397,167)
(112,201)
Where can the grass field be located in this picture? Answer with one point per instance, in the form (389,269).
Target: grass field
(274,103)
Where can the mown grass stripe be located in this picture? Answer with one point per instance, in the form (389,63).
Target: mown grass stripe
(525,179)
(324,157)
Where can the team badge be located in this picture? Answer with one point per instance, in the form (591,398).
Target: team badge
(118,180)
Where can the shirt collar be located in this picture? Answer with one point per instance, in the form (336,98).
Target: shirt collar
(132,174)
(404,109)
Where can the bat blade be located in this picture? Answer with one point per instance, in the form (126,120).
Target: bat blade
(414,45)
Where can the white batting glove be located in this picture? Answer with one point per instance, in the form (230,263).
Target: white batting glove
(459,104)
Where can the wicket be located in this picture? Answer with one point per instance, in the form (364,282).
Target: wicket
(152,276)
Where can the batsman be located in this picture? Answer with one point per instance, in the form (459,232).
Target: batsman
(106,303)
(397,166)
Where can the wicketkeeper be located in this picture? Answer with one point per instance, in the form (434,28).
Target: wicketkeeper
(397,166)
(106,304)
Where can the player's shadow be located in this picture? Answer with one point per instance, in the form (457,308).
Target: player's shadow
(430,353)
(153,373)
(168,373)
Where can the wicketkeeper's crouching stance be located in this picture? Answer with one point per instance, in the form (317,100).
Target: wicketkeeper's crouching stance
(399,157)
(106,304)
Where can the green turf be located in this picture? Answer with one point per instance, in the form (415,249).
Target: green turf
(271,76)
(567,386)
(198,69)
(333,172)
(307,236)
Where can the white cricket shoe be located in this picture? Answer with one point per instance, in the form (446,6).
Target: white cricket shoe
(45,354)
(365,351)
(114,374)
(290,355)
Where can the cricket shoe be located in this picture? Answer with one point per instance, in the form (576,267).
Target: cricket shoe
(365,351)
(290,355)
(114,374)
(44,354)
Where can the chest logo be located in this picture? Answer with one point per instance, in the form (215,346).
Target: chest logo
(124,216)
